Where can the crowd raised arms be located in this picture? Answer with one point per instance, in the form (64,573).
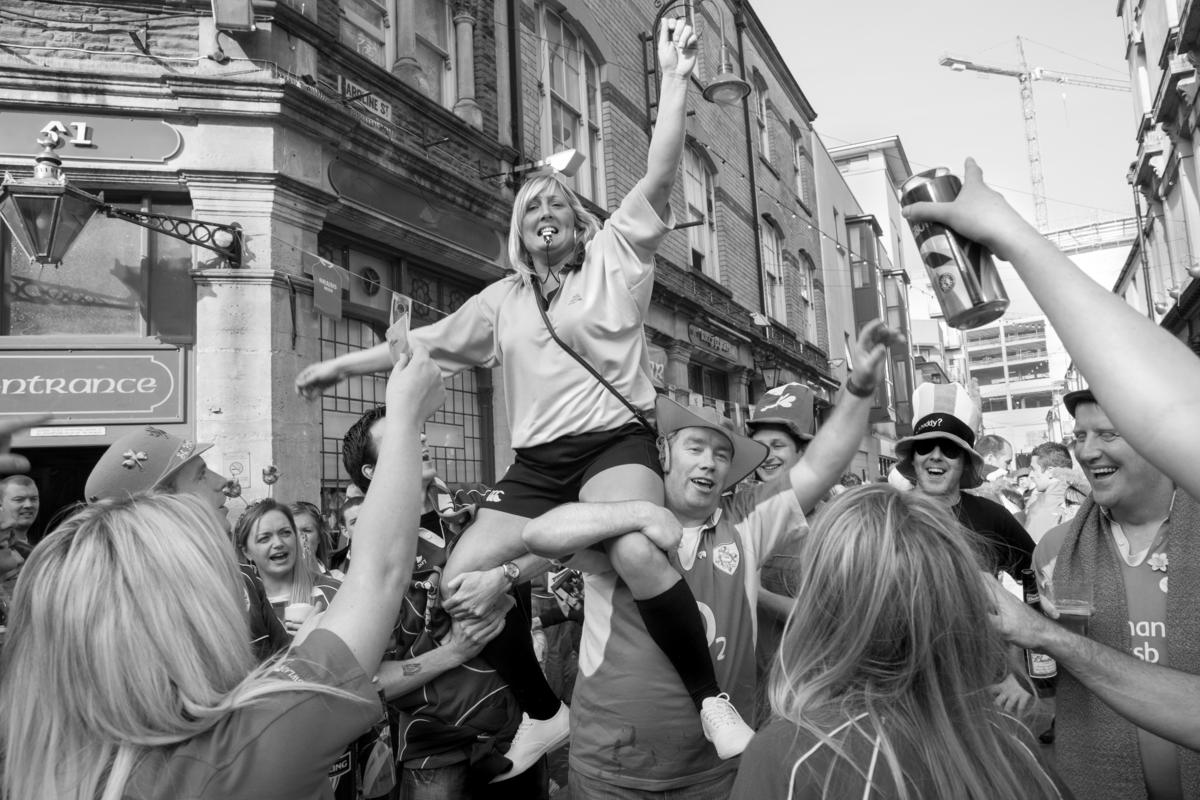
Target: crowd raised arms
(150,651)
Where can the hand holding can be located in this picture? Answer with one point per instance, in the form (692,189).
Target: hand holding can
(962,272)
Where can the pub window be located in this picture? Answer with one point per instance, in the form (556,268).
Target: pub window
(118,279)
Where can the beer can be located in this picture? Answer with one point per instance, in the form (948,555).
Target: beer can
(963,274)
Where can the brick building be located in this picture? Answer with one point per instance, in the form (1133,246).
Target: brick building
(363,133)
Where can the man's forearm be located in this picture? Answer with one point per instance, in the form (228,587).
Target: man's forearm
(572,527)
(1164,701)
(831,450)
(398,678)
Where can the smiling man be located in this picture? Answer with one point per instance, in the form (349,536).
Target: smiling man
(941,461)
(1120,546)
(150,459)
(19,504)
(634,731)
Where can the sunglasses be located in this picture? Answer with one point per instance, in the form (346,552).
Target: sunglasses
(949,449)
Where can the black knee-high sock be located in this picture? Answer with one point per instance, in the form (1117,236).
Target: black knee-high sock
(511,655)
(674,624)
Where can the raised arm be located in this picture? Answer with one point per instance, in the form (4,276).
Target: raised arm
(1147,380)
(365,608)
(831,450)
(1162,700)
(677,57)
(575,526)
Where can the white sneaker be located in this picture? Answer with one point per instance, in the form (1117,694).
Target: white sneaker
(535,738)
(723,726)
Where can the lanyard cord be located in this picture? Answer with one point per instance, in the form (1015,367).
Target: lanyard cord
(543,305)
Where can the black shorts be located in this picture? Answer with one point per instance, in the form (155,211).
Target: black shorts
(547,475)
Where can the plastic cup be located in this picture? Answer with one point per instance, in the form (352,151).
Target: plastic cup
(298,613)
(1074,615)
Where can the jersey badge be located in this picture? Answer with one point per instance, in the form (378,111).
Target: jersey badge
(726,557)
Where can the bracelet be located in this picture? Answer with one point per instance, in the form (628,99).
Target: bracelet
(856,390)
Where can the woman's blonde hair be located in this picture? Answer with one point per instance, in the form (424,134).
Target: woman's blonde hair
(304,569)
(890,628)
(127,632)
(586,223)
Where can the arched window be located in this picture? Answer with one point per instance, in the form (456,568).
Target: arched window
(776,289)
(571,101)
(699,190)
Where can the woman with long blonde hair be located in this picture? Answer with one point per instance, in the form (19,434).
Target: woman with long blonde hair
(880,688)
(128,675)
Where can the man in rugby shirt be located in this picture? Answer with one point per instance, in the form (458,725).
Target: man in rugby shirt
(635,732)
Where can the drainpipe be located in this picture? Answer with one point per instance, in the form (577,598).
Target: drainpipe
(514,77)
(1137,211)
(739,22)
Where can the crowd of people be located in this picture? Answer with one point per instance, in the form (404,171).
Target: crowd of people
(756,622)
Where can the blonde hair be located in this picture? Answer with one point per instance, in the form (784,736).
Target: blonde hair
(586,223)
(890,629)
(127,633)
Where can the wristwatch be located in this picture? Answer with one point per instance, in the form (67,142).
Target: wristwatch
(512,572)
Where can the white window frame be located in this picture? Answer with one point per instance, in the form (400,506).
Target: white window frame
(798,160)
(760,115)
(587,136)
(385,38)
(446,77)
(808,274)
(772,253)
(699,192)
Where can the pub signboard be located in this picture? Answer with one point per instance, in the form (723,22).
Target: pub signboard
(110,386)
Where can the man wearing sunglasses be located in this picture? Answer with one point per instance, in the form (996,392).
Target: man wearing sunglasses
(941,461)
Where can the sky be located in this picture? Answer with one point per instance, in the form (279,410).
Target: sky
(870,69)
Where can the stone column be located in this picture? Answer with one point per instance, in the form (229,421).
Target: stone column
(464,62)
(249,345)
(678,356)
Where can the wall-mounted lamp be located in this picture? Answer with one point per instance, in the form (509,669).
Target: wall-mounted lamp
(1161,306)
(1175,291)
(567,162)
(46,214)
(769,368)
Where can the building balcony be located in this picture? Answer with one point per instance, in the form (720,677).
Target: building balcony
(1168,96)
(1189,26)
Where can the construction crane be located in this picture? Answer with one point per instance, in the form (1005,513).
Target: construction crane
(1025,77)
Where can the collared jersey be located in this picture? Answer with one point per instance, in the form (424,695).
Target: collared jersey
(598,311)
(1145,578)
(633,723)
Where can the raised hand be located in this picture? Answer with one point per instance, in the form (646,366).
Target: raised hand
(979,213)
(677,46)
(10,463)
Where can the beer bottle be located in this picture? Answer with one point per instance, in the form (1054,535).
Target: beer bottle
(1041,667)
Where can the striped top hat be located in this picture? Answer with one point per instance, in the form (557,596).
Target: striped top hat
(943,411)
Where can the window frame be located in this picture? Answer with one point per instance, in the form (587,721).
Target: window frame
(761,111)
(702,239)
(448,79)
(588,136)
(776,290)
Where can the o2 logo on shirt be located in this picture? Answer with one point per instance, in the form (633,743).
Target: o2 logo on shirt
(710,629)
